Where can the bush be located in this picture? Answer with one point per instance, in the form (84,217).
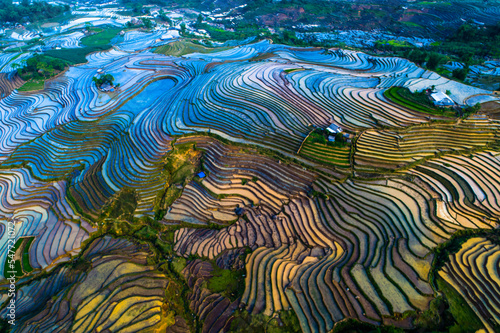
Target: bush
(32,12)
(41,67)
(460,73)
(229,283)
(434,60)
(105,78)
(316,137)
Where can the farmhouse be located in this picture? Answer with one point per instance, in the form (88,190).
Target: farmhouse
(107,87)
(334,129)
(441,99)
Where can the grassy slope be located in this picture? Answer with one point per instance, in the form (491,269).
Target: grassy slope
(32,85)
(466,319)
(26,255)
(183,47)
(395,95)
(327,153)
(97,42)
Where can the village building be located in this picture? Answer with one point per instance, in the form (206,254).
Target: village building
(106,87)
(334,129)
(441,99)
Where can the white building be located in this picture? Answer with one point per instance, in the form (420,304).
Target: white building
(334,129)
(441,99)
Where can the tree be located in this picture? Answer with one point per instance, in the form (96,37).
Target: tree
(148,24)
(104,78)
(460,73)
(416,56)
(183,28)
(27,11)
(164,17)
(434,60)
(137,8)
(466,33)
(199,20)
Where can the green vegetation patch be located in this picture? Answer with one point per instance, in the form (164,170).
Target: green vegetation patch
(319,149)
(350,325)
(37,69)
(178,264)
(32,85)
(228,283)
(412,24)
(122,207)
(29,11)
(26,255)
(103,79)
(415,101)
(284,321)
(100,41)
(465,319)
(183,47)
(75,56)
(397,43)
(179,167)
(100,37)
(240,32)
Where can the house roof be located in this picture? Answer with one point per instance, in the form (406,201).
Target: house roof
(440,96)
(334,129)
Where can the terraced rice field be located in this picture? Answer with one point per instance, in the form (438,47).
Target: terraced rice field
(182,47)
(395,149)
(79,299)
(322,235)
(473,271)
(330,155)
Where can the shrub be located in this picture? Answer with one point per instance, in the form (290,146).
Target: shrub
(105,78)
(460,73)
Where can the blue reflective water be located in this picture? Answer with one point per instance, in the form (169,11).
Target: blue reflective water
(151,94)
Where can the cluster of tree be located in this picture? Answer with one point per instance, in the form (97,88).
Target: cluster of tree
(460,73)
(289,37)
(163,16)
(321,136)
(103,79)
(138,9)
(431,59)
(40,67)
(28,11)
(241,31)
(146,23)
(470,41)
